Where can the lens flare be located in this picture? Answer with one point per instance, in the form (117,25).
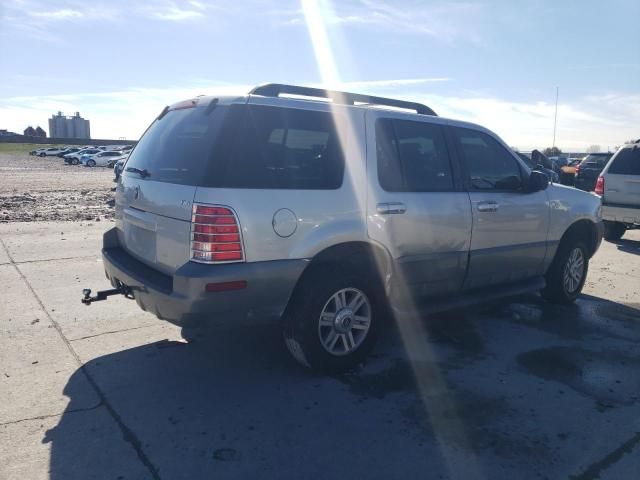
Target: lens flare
(438,400)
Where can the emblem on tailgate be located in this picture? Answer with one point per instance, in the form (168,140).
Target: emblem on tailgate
(185,203)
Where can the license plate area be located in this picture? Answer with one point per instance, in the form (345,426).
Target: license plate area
(140,241)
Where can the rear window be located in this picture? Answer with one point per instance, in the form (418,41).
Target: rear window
(177,147)
(626,162)
(592,160)
(277,148)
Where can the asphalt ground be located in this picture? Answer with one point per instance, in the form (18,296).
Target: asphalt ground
(515,389)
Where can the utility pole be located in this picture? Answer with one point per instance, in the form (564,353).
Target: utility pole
(555,119)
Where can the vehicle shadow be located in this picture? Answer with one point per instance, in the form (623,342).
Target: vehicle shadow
(231,403)
(628,246)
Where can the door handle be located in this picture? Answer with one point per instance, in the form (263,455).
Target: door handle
(488,207)
(393,208)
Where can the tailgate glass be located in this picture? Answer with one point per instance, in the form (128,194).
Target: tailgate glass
(177,147)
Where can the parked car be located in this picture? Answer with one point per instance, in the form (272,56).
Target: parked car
(558,162)
(122,157)
(67,151)
(102,159)
(329,216)
(118,167)
(74,158)
(619,185)
(553,176)
(588,170)
(49,152)
(568,171)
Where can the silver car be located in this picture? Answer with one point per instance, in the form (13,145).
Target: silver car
(619,185)
(331,212)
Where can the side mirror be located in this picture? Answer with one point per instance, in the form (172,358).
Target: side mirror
(537,181)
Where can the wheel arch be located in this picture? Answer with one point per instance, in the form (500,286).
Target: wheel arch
(374,259)
(586,230)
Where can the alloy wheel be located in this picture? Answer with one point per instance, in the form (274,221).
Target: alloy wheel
(573,270)
(344,321)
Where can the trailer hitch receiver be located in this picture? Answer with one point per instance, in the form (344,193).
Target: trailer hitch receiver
(87,299)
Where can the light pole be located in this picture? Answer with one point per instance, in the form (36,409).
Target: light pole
(555,120)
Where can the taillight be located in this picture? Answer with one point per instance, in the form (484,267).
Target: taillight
(600,186)
(215,235)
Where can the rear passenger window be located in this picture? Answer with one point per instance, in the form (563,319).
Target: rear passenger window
(627,162)
(412,157)
(277,148)
(490,166)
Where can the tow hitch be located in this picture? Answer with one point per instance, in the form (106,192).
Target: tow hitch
(87,299)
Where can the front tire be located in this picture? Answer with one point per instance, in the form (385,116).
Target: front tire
(567,273)
(613,231)
(333,319)
(91,163)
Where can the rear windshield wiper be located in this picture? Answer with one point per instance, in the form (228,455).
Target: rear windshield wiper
(143,173)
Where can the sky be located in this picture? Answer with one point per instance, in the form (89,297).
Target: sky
(496,63)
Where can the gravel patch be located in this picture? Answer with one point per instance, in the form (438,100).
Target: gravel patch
(45,189)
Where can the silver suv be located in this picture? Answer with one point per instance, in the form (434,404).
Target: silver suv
(332,211)
(619,185)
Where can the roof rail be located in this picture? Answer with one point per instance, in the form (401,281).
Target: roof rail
(344,98)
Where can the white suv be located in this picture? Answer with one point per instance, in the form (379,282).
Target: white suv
(619,185)
(331,212)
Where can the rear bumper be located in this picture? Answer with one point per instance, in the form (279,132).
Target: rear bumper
(620,213)
(182,299)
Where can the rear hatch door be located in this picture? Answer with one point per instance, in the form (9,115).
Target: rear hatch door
(155,192)
(622,179)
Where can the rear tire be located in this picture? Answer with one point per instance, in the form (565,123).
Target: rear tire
(75,161)
(333,318)
(567,273)
(614,231)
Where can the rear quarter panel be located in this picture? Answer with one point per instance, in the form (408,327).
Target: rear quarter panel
(323,217)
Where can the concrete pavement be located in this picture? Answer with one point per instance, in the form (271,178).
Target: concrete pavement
(519,389)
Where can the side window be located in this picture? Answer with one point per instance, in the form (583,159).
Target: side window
(278,148)
(412,157)
(489,165)
(627,162)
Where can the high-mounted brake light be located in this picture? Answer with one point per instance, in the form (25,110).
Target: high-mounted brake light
(600,186)
(215,235)
(191,103)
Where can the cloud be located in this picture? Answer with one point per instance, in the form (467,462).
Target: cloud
(394,83)
(445,21)
(34,18)
(53,15)
(606,119)
(174,11)
(125,113)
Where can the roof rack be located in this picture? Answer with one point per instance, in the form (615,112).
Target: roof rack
(344,98)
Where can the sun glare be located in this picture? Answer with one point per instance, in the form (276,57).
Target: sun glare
(437,398)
